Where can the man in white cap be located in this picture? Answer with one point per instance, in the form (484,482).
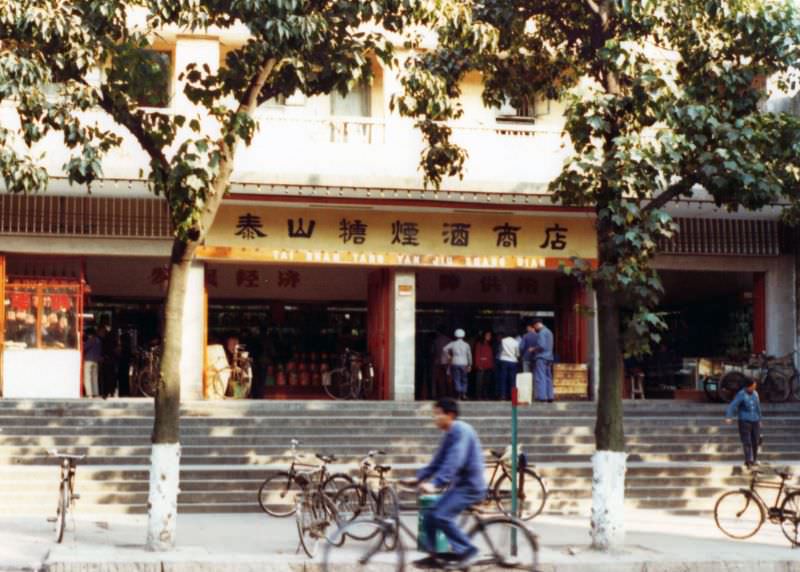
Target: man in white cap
(460,362)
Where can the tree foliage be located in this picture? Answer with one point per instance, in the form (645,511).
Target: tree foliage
(663,100)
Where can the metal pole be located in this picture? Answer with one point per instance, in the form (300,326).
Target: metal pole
(514,467)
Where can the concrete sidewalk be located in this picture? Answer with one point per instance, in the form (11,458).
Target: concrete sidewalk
(248,542)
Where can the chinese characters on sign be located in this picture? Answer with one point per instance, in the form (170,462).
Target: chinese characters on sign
(247,278)
(507,235)
(249,227)
(352,230)
(555,237)
(456,233)
(299,231)
(288,279)
(405,233)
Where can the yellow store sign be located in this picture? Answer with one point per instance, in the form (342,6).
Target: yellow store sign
(398,238)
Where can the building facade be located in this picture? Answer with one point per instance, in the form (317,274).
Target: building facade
(330,241)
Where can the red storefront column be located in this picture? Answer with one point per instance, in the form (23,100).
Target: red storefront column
(571,326)
(379,284)
(759,312)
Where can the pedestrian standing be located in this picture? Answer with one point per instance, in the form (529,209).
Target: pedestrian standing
(484,366)
(507,366)
(746,406)
(460,360)
(543,362)
(526,348)
(441,361)
(92,355)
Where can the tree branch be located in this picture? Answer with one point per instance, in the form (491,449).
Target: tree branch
(672,192)
(247,104)
(127,119)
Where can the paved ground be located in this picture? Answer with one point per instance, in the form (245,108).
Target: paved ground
(657,542)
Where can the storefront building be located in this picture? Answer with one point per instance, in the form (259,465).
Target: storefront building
(329,241)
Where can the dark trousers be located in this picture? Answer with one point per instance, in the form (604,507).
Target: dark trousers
(441,382)
(750,434)
(484,388)
(506,378)
(442,516)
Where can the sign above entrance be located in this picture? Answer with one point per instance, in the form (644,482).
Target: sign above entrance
(401,238)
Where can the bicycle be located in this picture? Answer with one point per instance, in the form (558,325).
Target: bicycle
(66,489)
(777,379)
(531,490)
(146,371)
(741,513)
(234,380)
(505,541)
(315,513)
(293,482)
(353,379)
(360,499)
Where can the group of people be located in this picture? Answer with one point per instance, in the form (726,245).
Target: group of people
(493,361)
(106,362)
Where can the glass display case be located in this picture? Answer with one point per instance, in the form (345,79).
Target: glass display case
(41,333)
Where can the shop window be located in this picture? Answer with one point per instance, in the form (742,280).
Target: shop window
(146,76)
(41,316)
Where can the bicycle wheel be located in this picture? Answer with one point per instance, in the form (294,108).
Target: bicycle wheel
(369,553)
(312,522)
(738,514)
(777,385)
(146,381)
(336,482)
(730,384)
(531,496)
(61,511)
(388,509)
(337,384)
(277,495)
(356,503)
(790,518)
(505,543)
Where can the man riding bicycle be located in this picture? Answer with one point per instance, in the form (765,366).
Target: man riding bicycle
(458,465)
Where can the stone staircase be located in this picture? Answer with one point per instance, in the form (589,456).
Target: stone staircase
(681,455)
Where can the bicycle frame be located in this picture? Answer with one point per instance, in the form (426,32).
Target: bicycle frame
(756,483)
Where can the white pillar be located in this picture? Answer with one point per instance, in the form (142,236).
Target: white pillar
(403,335)
(780,307)
(192,330)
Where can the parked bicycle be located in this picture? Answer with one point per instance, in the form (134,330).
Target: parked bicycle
(503,541)
(145,371)
(363,499)
(777,379)
(315,514)
(66,489)
(741,513)
(353,379)
(236,378)
(531,490)
(277,495)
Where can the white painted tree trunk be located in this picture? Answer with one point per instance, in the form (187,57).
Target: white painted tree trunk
(162,503)
(608,500)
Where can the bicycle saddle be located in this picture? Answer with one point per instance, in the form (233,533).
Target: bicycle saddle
(55,453)
(497,453)
(326,458)
(383,468)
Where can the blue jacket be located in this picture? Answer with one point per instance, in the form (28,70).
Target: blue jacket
(544,341)
(747,405)
(458,461)
(529,340)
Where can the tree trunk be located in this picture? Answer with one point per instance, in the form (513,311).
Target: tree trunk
(165,461)
(608,461)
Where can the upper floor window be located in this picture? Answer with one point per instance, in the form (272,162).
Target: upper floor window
(355,104)
(526,111)
(147,75)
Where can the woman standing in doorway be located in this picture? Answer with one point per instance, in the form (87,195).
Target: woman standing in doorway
(484,366)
